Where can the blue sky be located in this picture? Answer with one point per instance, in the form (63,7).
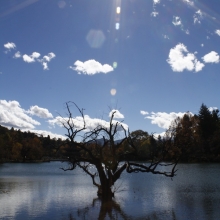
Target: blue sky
(152,60)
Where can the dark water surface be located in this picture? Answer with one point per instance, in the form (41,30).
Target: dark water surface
(43,191)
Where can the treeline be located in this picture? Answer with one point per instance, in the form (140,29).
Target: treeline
(195,138)
(19,146)
(192,138)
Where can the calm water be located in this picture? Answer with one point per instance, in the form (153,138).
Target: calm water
(43,191)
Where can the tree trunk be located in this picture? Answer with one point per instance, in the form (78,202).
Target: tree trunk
(104,190)
(107,193)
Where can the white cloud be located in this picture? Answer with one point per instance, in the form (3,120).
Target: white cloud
(211,57)
(189,2)
(199,12)
(45,66)
(197,17)
(162,134)
(186,31)
(10,46)
(12,115)
(165,36)
(35,57)
(198,66)
(17,55)
(48,57)
(28,59)
(91,67)
(156,1)
(40,112)
(176,21)
(46,133)
(202,45)
(212,108)
(32,58)
(117,114)
(144,112)
(91,123)
(163,119)
(154,13)
(217,32)
(180,59)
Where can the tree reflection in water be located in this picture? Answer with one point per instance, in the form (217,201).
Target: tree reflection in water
(111,210)
(107,210)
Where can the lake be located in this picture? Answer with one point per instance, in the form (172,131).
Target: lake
(43,191)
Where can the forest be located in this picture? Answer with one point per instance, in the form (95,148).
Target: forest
(192,138)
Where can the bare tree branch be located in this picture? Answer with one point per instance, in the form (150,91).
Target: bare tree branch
(136,168)
(85,169)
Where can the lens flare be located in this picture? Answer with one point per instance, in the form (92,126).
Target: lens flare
(113,92)
(117,25)
(115,64)
(95,38)
(61,4)
(118,10)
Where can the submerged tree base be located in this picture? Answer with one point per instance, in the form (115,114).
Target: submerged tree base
(107,195)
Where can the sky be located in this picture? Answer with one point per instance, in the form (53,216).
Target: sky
(150,61)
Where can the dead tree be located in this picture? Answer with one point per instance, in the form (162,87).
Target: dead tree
(101,153)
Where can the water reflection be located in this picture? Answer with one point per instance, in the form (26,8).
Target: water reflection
(112,210)
(107,210)
(43,191)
